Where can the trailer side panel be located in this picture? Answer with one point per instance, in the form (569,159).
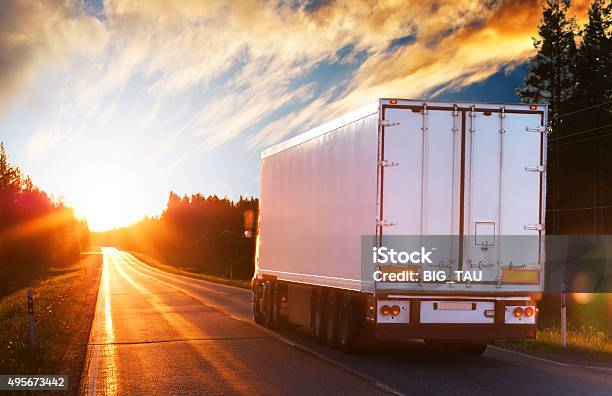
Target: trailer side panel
(317,198)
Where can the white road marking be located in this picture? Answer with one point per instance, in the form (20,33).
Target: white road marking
(550,361)
(93,377)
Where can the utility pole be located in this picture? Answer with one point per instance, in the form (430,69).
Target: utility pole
(563,317)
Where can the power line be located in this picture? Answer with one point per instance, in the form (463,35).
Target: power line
(581,140)
(576,209)
(580,133)
(585,109)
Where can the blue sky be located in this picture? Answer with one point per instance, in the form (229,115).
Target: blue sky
(113,104)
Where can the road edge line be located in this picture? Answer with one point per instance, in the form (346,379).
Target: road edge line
(95,356)
(549,360)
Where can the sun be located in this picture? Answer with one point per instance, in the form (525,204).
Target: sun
(113,188)
(106,207)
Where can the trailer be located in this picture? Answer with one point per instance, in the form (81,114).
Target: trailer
(458,188)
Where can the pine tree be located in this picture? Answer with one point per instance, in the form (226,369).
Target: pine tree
(594,61)
(551,73)
(10,183)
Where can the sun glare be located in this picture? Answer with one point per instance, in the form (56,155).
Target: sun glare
(114,189)
(105,207)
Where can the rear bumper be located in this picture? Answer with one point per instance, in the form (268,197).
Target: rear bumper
(483,332)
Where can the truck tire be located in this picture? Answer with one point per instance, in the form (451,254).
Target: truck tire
(268,295)
(331,333)
(257,312)
(276,306)
(465,347)
(347,326)
(319,317)
(473,349)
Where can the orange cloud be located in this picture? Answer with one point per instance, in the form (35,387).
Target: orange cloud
(180,47)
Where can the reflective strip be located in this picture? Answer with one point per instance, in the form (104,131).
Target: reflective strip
(520,276)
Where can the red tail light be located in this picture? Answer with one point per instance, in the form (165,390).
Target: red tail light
(395,310)
(518,312)
(385,310)
(529,311)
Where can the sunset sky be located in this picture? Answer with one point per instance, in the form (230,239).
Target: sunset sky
(113,104)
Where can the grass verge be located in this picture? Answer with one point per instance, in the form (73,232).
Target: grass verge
(244,284)
(64,306)
(585,346)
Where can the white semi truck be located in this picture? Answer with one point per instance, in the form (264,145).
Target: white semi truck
(469,175)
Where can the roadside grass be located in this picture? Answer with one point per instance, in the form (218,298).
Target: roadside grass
(64,305)
(585,345)
(244,284)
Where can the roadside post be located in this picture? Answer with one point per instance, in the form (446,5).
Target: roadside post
(31,319)
(563,317)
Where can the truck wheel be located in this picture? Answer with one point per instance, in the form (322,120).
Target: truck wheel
(275,305)
(257,314)
(331,333)
(473,349)
(268,306)
(319,317)
(347,330)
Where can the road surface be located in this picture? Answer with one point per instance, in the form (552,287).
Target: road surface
(158,333)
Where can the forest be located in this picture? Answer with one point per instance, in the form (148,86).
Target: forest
(194,233)
(38,233)
(572,73)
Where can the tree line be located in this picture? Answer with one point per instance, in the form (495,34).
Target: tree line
(37,232)
(195,233)
(572,73)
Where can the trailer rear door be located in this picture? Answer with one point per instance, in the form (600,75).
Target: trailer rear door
(470,172)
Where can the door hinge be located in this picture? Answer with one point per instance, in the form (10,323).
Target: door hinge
(387,123)
(387,164)
(455,115)
(538,129)
(534,227)
(539,168)
(385,223)
(472,119)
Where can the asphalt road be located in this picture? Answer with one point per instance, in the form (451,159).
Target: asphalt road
(158,333)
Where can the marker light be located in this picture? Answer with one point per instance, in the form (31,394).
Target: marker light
(393,101)
(518,312)
(529,311)
(533,107)
(395,310)
(385,310)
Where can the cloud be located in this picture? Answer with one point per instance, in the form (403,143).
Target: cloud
(41,141)
(457,44)
(34,35)
(243,60)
